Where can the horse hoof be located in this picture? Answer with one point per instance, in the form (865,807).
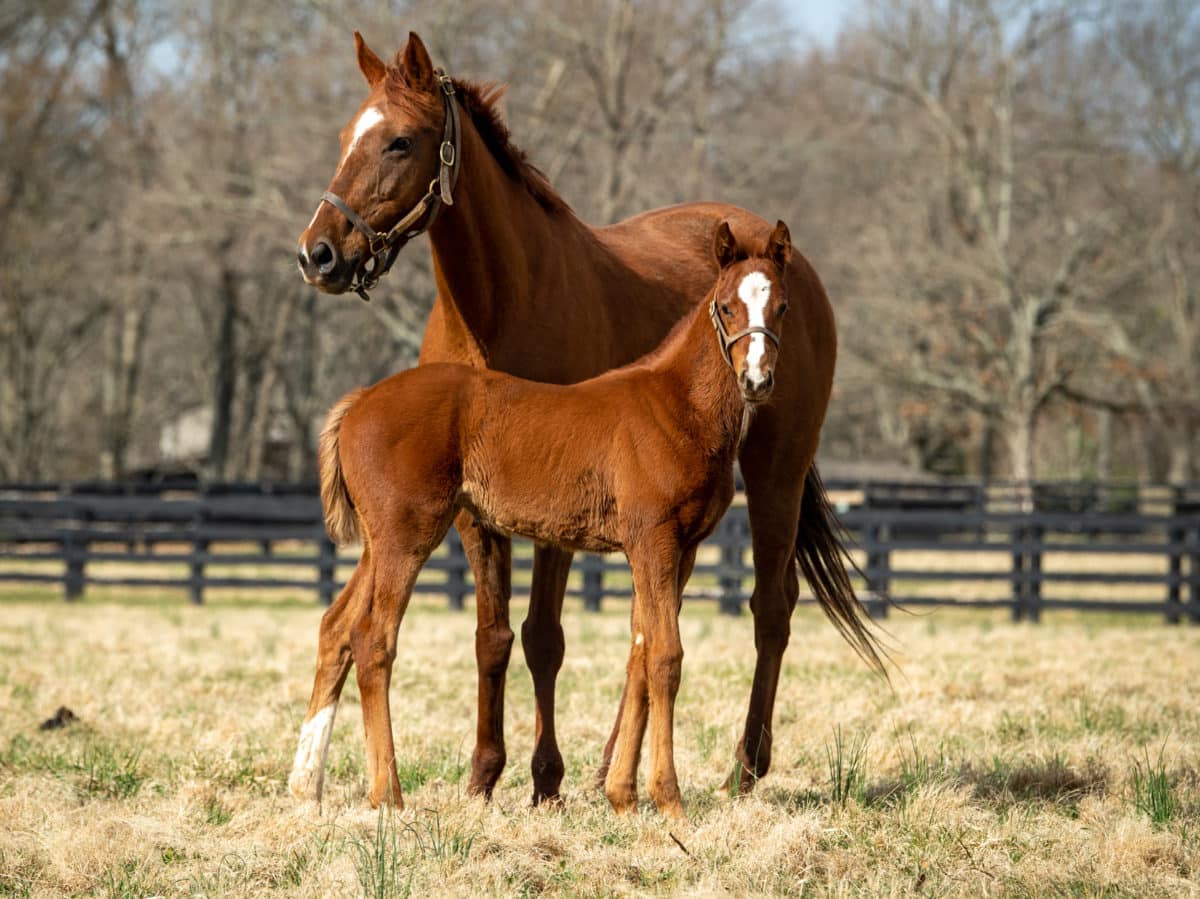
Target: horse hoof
(553,801)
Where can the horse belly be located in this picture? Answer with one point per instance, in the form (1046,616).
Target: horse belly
(565,516)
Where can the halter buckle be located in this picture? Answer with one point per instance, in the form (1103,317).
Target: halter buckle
(447,154)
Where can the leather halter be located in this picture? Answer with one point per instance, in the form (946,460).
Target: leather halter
(725,340)
(385,247)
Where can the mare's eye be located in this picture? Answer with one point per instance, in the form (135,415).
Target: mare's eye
(401,145)
(725,309)
(783,310)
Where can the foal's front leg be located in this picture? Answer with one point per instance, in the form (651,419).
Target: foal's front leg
(656,575)
(685,572)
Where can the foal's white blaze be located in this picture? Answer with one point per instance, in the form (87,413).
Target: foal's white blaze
(308,769)
(755,292)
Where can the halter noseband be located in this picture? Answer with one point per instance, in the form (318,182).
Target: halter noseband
(385,247)
(725,340)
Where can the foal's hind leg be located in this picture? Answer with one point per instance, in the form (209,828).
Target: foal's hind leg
(333,664)
(373,641)
(490,555)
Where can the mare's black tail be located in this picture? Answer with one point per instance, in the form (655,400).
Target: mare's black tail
(823,562)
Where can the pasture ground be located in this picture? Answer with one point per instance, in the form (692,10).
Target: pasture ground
(1059,759)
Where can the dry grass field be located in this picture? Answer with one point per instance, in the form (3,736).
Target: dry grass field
(1061,759)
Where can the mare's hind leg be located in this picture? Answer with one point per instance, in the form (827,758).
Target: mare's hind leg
(685,573)
(333,664)
(774,486)
(373,641)
(490,555)
(543,644)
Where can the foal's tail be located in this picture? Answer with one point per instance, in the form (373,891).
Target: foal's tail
(340,520)
(823,560)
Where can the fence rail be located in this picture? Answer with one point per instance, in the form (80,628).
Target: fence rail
(1027,548)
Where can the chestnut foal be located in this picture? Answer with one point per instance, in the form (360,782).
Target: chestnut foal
(638,459)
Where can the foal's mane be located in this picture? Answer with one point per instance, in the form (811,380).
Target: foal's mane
(481,101)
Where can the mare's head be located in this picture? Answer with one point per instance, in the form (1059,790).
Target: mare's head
(393,153)
(748,306)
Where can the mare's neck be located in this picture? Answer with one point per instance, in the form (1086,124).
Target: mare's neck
(489,245)
(715,403)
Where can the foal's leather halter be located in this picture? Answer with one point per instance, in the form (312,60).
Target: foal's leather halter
(725,340)
(385,247)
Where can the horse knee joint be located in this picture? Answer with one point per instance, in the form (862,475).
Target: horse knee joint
(493,646)
(544,646)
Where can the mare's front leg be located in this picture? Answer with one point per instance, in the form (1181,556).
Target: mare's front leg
(490,555)
(774,475)
(333,664)
(543,644)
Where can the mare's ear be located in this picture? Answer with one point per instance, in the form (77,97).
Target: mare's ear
(371,65)
(779,245)
(725,245)
(414,61)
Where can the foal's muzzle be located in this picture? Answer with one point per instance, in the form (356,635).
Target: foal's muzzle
(758,392)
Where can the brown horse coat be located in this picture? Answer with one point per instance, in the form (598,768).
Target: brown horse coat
(506,256)
(639,459)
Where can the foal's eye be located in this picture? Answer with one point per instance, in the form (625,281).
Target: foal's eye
(400,145)
(783,310)
(725,309)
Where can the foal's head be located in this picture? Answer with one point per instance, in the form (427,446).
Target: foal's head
(392,155)
(748,306)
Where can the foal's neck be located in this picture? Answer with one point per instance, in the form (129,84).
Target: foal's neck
(716,412)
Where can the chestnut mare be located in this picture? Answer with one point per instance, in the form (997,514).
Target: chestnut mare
(638,459)
(527,288)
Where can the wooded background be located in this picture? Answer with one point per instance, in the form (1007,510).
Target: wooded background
(1002,197)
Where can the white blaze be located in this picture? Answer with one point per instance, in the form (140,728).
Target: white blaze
(308,769)
(369,119)
(755,292)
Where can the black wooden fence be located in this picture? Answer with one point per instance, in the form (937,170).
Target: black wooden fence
(1027,548)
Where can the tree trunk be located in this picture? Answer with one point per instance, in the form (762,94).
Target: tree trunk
(260,427)
(225,380)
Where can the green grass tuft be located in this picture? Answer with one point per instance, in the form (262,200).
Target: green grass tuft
(1154,789)
(847,767)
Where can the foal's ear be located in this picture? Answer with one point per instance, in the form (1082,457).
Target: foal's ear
(779,245)
(725,245)
(417,66)
(371,65)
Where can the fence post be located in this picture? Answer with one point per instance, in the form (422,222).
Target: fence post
(1033,572)
(1018,576)
(593,581)
(879,563)
(326,568)
(199,549)
(75,552)
(731,567)
(1194,574)
(1176,535)
(456,571)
